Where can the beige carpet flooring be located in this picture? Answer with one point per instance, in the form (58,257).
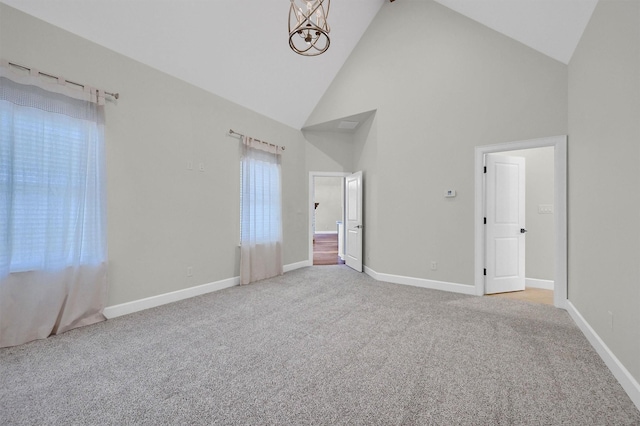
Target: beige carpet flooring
(318,346)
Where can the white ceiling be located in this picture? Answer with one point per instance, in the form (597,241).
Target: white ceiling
(239,49)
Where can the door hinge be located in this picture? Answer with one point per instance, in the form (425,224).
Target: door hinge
(485,271)
(485,169)
(485,220)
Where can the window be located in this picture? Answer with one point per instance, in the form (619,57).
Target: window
(51,188)
(260,198)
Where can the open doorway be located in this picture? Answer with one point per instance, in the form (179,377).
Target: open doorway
(327,223)
(325,235)
(555,212)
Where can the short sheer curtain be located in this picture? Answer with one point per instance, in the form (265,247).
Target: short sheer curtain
(261,212)
(53,252)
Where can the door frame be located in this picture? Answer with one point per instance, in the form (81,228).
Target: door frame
(312,176)
(559,143)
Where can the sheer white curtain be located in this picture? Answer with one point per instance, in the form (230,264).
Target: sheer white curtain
(52,209)
(261,211)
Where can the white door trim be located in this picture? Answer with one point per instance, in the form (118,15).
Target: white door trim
(312,176)
(560,210)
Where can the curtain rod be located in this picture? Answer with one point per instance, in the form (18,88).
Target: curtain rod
(115,95)
(232,132)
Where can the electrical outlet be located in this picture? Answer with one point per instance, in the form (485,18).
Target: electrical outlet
(434,265)
(189,271)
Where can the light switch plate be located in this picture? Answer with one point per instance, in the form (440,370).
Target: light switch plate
(545,209)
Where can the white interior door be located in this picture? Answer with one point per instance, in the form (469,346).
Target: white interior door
(353,228)
(505,227)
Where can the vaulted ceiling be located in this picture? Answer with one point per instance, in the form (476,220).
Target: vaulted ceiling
(239,49)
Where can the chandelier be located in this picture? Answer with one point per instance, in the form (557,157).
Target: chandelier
(308,27)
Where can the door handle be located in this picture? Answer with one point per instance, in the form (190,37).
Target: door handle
(522,230)
(357,227)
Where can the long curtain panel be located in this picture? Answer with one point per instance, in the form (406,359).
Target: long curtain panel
(261,211)
(53,253)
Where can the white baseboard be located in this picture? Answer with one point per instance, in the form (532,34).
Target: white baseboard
(297,265)
(421,282)
(626,380)
(326,232)
(163,299)
(536,283)
(174,296)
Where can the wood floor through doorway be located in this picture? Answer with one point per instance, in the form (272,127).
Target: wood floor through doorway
(325,250)
(529,294)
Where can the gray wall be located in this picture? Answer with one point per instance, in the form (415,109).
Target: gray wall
(604,199)
(441,84)
(328,192)
(329,151)
(540,243)
(365,149)
(161,216)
